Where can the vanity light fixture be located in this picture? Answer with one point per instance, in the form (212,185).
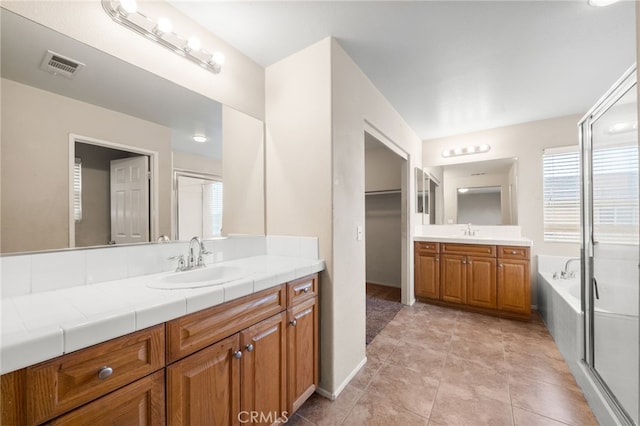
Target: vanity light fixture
(199,138)
(125,12)
(601,3)
(475,149)
(463,190)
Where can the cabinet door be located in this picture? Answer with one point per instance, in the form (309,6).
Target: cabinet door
(302,353)
(513,286)
(140,403)
(481,281)
(263,373)
(427,275)
(204,388)
(453,277)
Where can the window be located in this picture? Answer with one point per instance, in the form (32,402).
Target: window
(77,190)
(211,209)
(615,196)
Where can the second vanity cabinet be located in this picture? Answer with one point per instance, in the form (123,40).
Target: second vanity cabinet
(255,354)
(485,278)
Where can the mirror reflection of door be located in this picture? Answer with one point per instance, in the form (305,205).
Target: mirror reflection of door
(199,206)
(130,200)
(93,206)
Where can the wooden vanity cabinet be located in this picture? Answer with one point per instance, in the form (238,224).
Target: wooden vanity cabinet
(513,280)
(253,356)
(426,261)
(119,377)
(483,278)
(469,274)
(302,342)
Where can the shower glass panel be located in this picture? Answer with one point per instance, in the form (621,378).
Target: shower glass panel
(610,154)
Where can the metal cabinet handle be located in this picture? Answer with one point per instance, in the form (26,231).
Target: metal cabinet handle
(249,347)
(105,372)
(305,290)
(437,259)
(500,265)
(237,354)
(293,323)
(513,252)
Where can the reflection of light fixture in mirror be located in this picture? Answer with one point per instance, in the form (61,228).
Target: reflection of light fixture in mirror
(475,149)
(125,12)
(601,3)
(199,138)
(463,190)
(622,128)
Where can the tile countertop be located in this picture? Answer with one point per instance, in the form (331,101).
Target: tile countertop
(499,241)
(41,326)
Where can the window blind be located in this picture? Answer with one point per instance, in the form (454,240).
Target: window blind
(561,192)
(77,190)
(615,195)
(211,209)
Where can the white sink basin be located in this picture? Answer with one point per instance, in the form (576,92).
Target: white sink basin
(205,277)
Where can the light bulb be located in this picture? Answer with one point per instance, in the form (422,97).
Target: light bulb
(217,58)
(446,153)
(601,3)
(484,147)
(199,138)
(129,6)
(457,151)
(193,43)
(164,26)
(463,190)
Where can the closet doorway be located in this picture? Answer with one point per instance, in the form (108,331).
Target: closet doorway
(384,171)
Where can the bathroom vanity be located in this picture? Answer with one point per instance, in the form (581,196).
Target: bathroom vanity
(474,274)
(257,353)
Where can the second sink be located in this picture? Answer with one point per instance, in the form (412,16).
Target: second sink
(210,276)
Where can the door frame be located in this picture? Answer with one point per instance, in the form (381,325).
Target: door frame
(406,252)
(154,189)
(174,194)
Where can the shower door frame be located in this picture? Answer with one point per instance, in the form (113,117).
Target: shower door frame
(587,242)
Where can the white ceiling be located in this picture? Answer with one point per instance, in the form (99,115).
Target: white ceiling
(448,67)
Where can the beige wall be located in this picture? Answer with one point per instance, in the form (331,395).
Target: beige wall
(298,168)
(243,171)
(240,84)
(35,162)
(196,163)
(383,171)
(525,141)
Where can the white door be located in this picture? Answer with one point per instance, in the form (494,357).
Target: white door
(130,200)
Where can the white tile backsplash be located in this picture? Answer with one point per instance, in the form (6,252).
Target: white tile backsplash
(15,275)
(106,264)
(53,271)
(40,272)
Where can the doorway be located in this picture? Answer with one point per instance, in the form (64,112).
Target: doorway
(383,229)
(112,193)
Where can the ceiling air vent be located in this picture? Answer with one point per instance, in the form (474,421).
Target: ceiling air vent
(60,65)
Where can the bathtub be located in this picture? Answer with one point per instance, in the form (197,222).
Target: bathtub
(615,323)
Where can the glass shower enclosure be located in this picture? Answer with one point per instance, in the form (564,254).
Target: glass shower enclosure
(611,245)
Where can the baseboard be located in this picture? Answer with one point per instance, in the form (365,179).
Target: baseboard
(333,395)
(382,284)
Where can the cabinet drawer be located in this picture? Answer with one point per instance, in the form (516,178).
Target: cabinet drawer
(302,289)
(66,382)
(138,404)
(427,247)
(193,332)
(513,252)
(470,249)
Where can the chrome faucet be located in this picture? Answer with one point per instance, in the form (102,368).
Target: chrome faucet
(192,260)
(470,232)
(565,272)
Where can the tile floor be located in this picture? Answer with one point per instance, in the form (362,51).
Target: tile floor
(436,366)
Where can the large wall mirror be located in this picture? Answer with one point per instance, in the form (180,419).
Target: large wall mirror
(480,192)
(90,146)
